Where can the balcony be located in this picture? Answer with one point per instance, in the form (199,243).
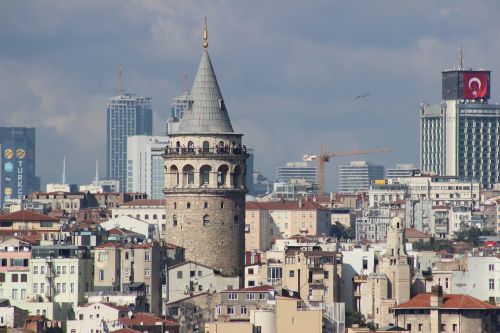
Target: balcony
(219,152)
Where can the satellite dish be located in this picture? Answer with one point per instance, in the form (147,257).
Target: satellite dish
(130,313)
(290,293)
(149,241)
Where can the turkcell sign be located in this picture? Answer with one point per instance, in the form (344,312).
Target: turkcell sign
(13,182)
(465,85)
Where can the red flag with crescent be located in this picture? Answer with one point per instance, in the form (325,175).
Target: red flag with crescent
(475,85)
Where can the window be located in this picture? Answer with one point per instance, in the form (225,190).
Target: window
(58,288)
(42,269)
(262,296)
(72,270)
(206,221)
(199,273)
(251,283)
(147,272)
(420,327)
(24,277)
(230,310)
(454,327)
(243,310)
(443,327)
(492,284)
(45,224)
(126,255)
(179,274)
(147,256)
(147,289)
(205,205)
(446,283)
(292,273)
(35,269)
(103,256)
(64,269)
(174,221)
(218,309)
(491,267)
(58,270)
(14,294)
(408,327)
(250,296)
(101,275)
(188,205)
(64,287)
(232,296)
(35,288)
(250,271)
(146,216)
(15,278)
(325,274)
(236,219)
(72,288)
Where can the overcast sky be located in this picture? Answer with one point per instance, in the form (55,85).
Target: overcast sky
(289,71)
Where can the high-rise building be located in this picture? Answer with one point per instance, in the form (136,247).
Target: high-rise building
(145,172)
(205,188)
(179,106)
(127,115)
(297,171)
(401,170)
(358,175)
(459,137)
(18,177)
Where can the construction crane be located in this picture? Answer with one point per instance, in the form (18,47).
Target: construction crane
(323,158)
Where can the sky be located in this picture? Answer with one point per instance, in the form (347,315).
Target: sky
(289,71)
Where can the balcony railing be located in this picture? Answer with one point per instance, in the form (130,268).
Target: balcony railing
(234,150)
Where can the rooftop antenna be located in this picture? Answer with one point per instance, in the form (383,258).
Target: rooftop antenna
(96,170)
(64,171)
(205,35)
(461,58)
(120,89)
(186,89)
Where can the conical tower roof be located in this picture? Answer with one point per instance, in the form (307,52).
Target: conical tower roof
(207,112)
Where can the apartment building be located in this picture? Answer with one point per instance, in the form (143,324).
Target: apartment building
(15,277)
(24,221)
(267,221)
(315,275)
(97,317)
(236,304)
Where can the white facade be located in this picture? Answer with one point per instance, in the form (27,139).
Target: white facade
(145,171)
(189,278)
(148,229)
(96,317)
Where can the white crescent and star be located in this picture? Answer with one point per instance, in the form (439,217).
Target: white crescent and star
(475,91)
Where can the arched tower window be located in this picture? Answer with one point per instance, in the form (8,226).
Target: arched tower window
(236,220)
(206,220)
(222,175)
(206,146)
(174,220)
(205,174)
(187,175)
(188,205)
(205,205)
(237,180)
(190,147)
(178,146)
(174,176)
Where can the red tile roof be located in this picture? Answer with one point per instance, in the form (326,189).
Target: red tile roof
(126,330)
(255,289)
(142,318)
(283,205)
(450,301)
(121,231)
(122,308)
(25,215)
(145,202)
(414,233)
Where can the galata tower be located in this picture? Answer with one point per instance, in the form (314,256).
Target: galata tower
(205,165)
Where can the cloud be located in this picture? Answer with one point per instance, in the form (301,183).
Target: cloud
(289,70)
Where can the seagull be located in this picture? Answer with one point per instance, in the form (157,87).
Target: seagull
(363,95)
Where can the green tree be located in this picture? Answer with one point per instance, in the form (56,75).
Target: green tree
(342,232)
(470,234)
(354,317)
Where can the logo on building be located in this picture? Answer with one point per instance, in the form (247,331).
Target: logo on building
(8,153)
(21,153)
(8,167)
(7,191)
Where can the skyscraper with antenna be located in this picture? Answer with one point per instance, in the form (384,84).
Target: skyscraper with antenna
(126,115)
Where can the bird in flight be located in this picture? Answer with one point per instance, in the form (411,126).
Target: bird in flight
(363,95)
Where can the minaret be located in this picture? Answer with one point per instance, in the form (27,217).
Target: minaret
(205,165)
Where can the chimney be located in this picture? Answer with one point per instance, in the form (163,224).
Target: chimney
(436,296)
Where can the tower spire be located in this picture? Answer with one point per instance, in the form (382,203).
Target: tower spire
(63,179)
(205,35)
(461,58)
(120,89)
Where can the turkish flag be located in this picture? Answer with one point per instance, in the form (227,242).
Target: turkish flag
(475,85)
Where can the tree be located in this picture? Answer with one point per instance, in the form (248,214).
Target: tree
(470,234)
(354,317)
(341,232)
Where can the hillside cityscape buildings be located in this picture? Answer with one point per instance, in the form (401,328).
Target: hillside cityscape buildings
(185,236)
